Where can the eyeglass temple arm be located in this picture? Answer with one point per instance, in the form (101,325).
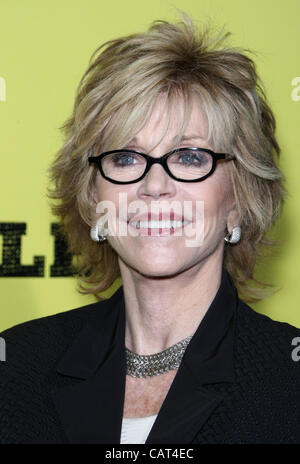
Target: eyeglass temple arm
(229,156)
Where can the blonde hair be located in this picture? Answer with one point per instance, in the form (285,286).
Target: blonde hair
(115,98)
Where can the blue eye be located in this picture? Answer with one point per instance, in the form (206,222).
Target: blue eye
(190,158)
(123,159)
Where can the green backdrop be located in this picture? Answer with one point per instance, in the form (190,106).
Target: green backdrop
(45,48)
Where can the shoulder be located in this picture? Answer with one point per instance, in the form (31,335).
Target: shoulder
(28,374)
(262,330)
(44,339)
(267,354)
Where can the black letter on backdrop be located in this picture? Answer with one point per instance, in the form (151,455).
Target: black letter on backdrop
(62,266)
(11,253)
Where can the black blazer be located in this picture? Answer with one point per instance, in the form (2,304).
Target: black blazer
(63,380)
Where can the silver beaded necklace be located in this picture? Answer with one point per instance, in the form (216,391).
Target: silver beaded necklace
(138,365)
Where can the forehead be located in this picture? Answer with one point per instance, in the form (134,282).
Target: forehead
(172,121)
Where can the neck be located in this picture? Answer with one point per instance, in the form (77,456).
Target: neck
(161,311)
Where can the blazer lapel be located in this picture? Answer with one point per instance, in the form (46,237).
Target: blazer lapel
(91,408)
(184,411)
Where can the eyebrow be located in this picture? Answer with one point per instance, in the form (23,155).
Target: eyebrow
(189,137)
(183,138)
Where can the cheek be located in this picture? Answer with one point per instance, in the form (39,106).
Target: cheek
(106,191)
(216,199)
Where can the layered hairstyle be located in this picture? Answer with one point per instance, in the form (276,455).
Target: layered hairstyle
(115,98)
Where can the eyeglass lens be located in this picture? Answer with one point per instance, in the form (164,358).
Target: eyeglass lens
(185,164)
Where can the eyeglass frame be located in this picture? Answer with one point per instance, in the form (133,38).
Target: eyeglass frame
(162,160)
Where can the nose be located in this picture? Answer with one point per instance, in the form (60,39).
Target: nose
(157,183)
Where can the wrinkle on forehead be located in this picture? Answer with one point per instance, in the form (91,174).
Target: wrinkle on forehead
(170,121)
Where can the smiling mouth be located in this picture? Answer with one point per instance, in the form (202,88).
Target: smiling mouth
(156,228)
(158,224)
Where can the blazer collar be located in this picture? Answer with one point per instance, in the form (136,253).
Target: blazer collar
(91,409)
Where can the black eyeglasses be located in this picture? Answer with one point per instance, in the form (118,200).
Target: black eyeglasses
(182,164)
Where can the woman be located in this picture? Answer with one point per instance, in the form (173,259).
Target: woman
(167,178)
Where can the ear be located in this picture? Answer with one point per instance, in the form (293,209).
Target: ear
(233,219)
(93,196)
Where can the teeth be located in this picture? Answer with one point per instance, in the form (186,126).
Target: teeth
(158,224)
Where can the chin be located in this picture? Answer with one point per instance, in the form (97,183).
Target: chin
(153,267)
(152,272)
